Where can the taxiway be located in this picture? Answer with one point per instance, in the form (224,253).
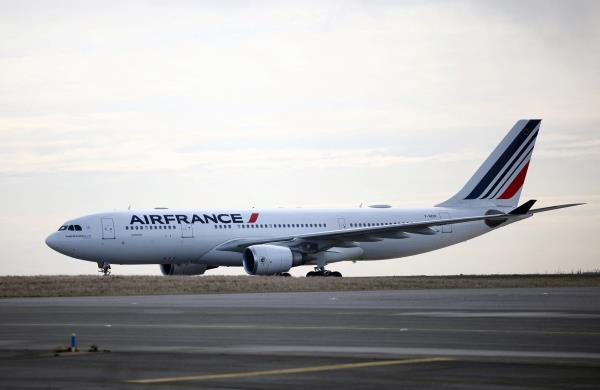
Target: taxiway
(543,337)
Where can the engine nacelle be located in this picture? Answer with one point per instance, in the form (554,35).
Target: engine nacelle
(269,259)
(184,269)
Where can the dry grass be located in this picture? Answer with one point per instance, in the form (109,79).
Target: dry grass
(62,286)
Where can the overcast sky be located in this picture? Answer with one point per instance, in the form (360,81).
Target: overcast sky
(191,104)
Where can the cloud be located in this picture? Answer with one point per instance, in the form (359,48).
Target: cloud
(73,156)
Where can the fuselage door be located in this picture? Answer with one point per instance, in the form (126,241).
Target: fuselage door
(187,230)
(108,229)
(446,228)
(342,223)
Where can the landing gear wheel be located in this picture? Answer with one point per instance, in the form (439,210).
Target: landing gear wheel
(104,268)
(323,272)
(284,274)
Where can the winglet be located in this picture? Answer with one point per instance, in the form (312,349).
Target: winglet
(524,208)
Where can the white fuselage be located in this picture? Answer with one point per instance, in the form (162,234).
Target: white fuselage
(160,236)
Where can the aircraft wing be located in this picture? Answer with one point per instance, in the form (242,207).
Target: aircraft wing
(560,206)
(314,242)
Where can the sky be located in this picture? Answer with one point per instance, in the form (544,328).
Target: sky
(192,104)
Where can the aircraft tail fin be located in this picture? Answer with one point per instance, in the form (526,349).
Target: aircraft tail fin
(499,180)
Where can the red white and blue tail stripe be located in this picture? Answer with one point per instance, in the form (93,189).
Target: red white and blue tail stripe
(500,178)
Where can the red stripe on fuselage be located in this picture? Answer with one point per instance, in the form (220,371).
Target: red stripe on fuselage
(516,184)
(253,218)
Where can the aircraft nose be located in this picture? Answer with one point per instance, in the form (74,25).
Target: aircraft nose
(53,241)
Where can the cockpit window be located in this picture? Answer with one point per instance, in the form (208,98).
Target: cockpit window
(60,229)
(78,228)
(71,228)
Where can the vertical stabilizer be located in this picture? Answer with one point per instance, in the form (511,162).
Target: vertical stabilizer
(499,180)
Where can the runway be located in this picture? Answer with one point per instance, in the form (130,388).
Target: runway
(479,338)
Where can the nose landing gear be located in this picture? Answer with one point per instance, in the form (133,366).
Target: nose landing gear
(104,268)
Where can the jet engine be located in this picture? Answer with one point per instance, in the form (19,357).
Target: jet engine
(269,259)
(184,269)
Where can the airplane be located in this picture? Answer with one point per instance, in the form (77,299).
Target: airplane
(272,241)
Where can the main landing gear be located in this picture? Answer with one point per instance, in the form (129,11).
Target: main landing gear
(320,271)
(104,267)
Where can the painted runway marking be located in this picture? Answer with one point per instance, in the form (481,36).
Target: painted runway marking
(286,371)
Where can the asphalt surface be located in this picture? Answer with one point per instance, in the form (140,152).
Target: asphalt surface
(484,338)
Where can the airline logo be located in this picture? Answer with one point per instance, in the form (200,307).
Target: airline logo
(253,218)
(166,219)
(507,175)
